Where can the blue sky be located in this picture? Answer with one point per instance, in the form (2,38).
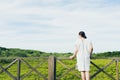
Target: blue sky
(53,25)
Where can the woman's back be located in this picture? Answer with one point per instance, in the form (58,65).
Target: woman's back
(83,47)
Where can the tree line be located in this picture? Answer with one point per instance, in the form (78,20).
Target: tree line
(16,52)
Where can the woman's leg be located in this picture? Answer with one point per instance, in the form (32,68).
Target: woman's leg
(87,74)
(83,75)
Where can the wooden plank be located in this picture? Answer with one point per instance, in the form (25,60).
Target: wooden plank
(9,65)
(19,67)
(13,77)
(51,68)
(69,69)
(102,70)
(117,69)
(33,69)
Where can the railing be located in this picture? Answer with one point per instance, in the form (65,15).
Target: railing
(72,69)
(52,69)
(21,64)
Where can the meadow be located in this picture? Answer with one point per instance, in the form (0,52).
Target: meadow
(65,68)
(61,70)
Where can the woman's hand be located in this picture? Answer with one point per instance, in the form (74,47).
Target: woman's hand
(71,57)
(74,55)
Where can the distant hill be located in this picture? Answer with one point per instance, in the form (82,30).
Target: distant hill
(15,52)
(107,54)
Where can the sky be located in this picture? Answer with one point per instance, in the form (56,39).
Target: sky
(53,25)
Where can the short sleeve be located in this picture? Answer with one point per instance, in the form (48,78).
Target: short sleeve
(90,45)
(77,45)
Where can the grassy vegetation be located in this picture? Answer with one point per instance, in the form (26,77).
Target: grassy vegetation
(14,52)
(42,68)
(60,69)
(7,55)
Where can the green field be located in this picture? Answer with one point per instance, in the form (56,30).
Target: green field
(61,69)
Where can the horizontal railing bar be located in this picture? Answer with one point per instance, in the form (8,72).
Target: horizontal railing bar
(67,58)
(21,57)
(64,58)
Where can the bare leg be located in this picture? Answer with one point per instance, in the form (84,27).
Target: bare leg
(87,74)
(83,75)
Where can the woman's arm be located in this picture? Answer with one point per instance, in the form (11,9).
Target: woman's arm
(75,53)
(91,50)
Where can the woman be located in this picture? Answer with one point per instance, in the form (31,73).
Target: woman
(83,52)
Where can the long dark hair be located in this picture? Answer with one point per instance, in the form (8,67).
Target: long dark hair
(82,33)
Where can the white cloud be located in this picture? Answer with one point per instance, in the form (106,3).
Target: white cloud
(53,25)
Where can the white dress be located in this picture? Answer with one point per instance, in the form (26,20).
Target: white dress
(83,55)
